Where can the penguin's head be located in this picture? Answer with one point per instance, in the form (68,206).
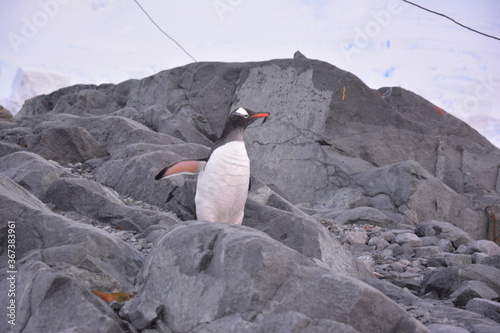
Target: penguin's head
(236,123)
(241,118)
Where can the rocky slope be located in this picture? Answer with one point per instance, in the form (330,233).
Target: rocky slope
(366,211)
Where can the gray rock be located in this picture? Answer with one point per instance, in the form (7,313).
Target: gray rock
(443,328)
(483,246)
(483,273)
(127,112)
(429,241)
(31,171)
(305,236)
(283,322)
(471,321)
(400,295)
(182,294)
(16,135)
(52,254)
(53,239)
(263,194)
(445,245)
(5,114)
(378,242)
(442,282)
(408,238)
(405,251)
(153,233)
(449,259)
(461,249)
(330,129)
(410,281)
(7,148)
(356,237)
(487,308)
(472,289)
(67,145)
(366,258)
(162,120)
(479,257)
(447,280)
(133,175)
(389,236)
(6,125)
(299,55)
(435,316)
(444,230)
(94,102)
(417,196)
(491,261)
(116,132)
(45,294)
(99,203)
(387,253)
(359,215)
(344,199)
(426,251)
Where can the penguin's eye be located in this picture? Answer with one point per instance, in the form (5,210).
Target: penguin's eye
(245,116)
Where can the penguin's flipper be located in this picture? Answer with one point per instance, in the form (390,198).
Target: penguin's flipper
(181,167)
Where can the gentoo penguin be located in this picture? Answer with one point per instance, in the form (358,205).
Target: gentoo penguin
(224,176)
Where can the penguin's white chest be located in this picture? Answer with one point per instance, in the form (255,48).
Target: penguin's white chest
(222,188)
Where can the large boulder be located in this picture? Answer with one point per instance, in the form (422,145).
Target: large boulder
(31,171)
(201,274)
(66,145)
(115,132)
(409,194)
(304,235)
(444,230)
(58,261)
(53,239)
(445,281)
(95,201)
(54,301)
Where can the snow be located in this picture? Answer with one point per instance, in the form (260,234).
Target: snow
(28,84)
(48,44)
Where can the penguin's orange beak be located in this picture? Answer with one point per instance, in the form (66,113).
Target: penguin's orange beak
(260,115)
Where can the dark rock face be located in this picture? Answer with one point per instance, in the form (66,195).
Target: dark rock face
(328,131)
(347,183)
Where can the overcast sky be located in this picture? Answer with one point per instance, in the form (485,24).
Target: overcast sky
(383,42)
